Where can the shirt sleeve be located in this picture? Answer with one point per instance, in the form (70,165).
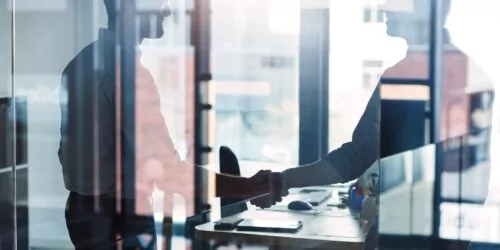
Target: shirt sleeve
(152,144)
(148,136)
(152,135)
(353,158)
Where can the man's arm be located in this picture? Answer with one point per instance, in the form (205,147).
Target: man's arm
(350,160)
(155,151)
(238,187)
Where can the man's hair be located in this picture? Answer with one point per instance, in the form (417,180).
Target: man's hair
(111,11)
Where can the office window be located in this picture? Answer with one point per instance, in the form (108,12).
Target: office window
(422,33)
(367,14)
(277,62)
(372,70)
(380,16)
(283,16)
(370,79)
(372,63)
(372,14)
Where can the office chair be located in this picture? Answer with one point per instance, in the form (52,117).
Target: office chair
(229,164)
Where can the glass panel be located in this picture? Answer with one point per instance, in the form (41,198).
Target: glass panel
(423,175)
(7,130)
(67,181)
(466,163)
(254,60)
(395,188)
(465,167)
(40,59)
(406,182)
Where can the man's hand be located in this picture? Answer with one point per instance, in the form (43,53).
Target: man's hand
(265,186)
(147,175)
(269,187)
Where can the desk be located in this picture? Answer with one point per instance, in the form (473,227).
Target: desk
(324,229)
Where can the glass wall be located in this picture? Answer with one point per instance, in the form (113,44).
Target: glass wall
(106,124)
(40,59)
(50,39)
(7,198)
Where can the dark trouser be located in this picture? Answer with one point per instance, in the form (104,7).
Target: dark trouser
(94,223)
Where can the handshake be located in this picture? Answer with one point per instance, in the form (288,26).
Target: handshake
(269,187)
(264,189)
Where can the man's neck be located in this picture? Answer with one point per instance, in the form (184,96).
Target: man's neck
(139,40)
(446,39)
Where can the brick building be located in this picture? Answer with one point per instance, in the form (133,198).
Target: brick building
(462,79)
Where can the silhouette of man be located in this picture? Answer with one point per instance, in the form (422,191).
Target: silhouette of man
(465,111)
(93,133)
(355,159)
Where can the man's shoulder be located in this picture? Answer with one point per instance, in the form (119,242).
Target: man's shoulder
(480,80)
(83,62)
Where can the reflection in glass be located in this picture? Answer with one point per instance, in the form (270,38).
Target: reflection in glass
(254,64)
(406,193)
(9,223)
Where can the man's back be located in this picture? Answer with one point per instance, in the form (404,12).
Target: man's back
(87,148)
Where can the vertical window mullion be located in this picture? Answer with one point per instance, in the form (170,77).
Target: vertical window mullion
(313,84)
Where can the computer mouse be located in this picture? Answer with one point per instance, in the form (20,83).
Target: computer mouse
(300,205)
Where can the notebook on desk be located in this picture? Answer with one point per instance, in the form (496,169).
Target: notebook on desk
(314,196)
(276,226)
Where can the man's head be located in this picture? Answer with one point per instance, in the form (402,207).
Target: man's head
(404,17)
(149,15)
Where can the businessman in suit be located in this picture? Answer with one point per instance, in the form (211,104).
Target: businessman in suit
(97,140)
(358,158)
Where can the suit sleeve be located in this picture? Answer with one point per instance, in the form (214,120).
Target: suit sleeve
(353,158)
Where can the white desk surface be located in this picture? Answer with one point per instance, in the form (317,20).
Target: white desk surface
(327,227)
